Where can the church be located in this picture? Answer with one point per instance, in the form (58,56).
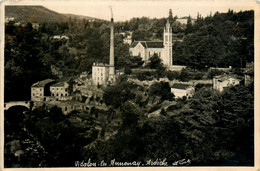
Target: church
(163,49)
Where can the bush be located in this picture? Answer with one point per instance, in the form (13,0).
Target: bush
(143,77)
(128,70)
(171,75)
(184,75)
(197,75)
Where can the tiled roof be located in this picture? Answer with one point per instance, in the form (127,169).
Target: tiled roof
(64,79)
(59,84)
(149,44)
(154,44)
(99,64)
(42,83)
(180,86)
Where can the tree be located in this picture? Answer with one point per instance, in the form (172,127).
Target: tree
(154,62)
(161,89)
(134,61)
(116,95)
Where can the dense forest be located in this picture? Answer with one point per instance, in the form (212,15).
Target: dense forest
(212,128)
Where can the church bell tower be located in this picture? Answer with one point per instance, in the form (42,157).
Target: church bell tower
(167,42)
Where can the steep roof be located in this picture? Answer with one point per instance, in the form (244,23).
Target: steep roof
(148,44)
(59,84)
(180,86)
(42,83)
(154,44)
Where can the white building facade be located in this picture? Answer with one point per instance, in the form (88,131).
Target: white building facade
(100,73)
(181,90)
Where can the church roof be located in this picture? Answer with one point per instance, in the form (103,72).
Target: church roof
(154,44)
(149,44)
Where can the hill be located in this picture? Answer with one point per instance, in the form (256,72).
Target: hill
(82,17)
(39,14)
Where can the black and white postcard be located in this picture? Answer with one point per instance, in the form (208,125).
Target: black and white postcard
(129,85)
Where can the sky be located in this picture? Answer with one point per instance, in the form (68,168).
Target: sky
(127,9)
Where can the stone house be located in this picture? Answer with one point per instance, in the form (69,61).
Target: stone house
(221,82)
(181,90)
(60,90)
(41,89)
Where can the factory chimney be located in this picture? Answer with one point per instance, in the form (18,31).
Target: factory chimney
(111,56)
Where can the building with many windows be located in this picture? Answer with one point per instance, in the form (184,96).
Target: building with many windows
(60,90)
(100,72)
(41,89)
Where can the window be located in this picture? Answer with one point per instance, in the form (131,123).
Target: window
(61,88)
(33,94)
(57,88)
(66,89)
(101,74)
(52,88)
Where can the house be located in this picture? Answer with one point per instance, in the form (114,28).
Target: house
(127,40)
(249,73)
(60,90)
(60,37)
(9,19)
(36,26)
(41,89)
(184,20)
(100,73)
(180,90)
(220,82)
